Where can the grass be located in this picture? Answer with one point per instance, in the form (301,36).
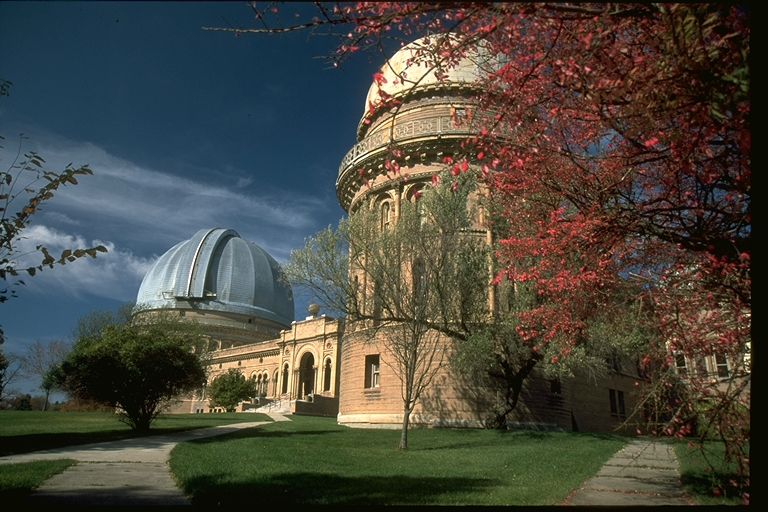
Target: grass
(26,431)
(700,480)
(19,480)
(314,461)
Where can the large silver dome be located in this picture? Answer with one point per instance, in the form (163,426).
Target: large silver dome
(217,270)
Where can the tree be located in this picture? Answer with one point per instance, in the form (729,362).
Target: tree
(412,285)
(230,388)
(136,367)
(619,144)
(42,361)
(9,370)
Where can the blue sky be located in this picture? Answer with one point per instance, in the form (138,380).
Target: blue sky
(183,128)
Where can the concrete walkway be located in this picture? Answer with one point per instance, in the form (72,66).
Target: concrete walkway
(131,472)
(135,473)
(643,473)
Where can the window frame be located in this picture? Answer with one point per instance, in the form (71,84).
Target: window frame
(372,372)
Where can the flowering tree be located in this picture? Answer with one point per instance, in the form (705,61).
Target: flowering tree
(616,138)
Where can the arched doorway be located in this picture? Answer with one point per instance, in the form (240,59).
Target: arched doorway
(306,375)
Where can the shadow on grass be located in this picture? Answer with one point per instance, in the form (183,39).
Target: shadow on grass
(324,489)
(14,445)
(249,433)
(539,435)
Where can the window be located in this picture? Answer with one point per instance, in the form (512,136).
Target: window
(722,365)
(680,365)
(459,116)
(285,378)
(327,375)
(275,376)
(386,215)
(555,386)
(258,385)
(372,371)
(616,398)
(414,196)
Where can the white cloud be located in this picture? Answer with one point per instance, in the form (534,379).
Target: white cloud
(164,208)
(123,189)
(142,212)
(115,274)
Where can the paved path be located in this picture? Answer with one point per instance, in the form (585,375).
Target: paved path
(135,472)
(130,472)
(643,473)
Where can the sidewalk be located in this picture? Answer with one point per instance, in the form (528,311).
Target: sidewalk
(643,473)
(134,472)
(130,472)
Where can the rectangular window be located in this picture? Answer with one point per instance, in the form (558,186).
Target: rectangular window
(555,387)
(618,407)
(722,366)
(682,367)
(458,116)
(372,371)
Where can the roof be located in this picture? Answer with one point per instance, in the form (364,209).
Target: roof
(217,270)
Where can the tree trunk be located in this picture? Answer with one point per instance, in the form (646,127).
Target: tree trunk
(45,403)
(404,433)
(513,382)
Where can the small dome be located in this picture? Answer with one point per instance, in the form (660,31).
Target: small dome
(219,271)
(411,68)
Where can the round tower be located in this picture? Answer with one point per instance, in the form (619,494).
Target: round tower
(417,112)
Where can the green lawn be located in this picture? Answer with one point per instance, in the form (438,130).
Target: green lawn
(700,479)
(19,480)
(26,431)
(315,461)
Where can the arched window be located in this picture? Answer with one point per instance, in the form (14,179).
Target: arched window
(274,383)
(385,215)
(285,378)
(414,196)
(327,375)
(264,384)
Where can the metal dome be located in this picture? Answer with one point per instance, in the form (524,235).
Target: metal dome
(217,270)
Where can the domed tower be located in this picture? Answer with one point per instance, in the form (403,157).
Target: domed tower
(416,114)
(227,284)
(421,108)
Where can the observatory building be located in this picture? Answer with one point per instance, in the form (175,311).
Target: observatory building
(318,365)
